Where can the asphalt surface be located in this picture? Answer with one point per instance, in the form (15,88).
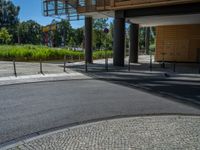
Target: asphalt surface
(30,108)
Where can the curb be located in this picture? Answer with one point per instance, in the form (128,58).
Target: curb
(41,78)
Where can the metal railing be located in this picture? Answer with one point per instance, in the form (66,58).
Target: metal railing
(74,9)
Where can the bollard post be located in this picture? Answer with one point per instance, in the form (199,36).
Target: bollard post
(41,66)
(79,57)
(174,66)
(86,64)
(163,60)
(198,57)
(106,60)
(64,64)
(150,66)
(129,64)
(72,59)
(106,31)
(14,67)
(199,66)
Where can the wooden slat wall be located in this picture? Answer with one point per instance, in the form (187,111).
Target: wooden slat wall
(105,5)
(128,4)
(177,43)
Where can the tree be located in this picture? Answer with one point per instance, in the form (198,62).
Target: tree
(143,34)
(63,33)
(5,37)
(78,36)
(99,36)
(142,38)
(109,37)
(71,42)
(8,13)
(29,32)
(9,17)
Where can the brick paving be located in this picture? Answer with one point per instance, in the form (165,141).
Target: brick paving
(151,132)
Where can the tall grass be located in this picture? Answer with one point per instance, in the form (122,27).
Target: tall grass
(35,53)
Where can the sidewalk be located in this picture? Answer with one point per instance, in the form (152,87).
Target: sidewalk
(151,132)
(29,72)
(29,68)
(42,78)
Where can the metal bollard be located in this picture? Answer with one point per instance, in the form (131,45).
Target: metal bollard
(72,59)
(79,57)
(163,60)
(198,58)
(14,67)
(129,64)
(106,60)
(150,66)
(199,67)
(174,66)
(86,65)
(64,64)
(41,66)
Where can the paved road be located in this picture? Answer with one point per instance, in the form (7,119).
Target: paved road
(30,108)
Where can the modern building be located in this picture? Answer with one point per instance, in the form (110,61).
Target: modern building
(177,23)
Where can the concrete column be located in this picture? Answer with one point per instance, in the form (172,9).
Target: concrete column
(134,35)
(119,39)
(88,39)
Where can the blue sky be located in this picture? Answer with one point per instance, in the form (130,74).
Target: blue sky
(32,9)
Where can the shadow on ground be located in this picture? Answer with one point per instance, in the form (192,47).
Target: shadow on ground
(184,90)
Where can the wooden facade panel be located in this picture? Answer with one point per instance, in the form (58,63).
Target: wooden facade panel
(182,32)
(193,48)
(169,49)
(181,50)
(110,5)
(135,3)
(178,43)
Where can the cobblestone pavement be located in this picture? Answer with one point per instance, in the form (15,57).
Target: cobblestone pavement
(151,132)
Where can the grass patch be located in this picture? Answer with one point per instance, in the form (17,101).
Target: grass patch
(37,52)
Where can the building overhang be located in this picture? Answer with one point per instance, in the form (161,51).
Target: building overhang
(166,20)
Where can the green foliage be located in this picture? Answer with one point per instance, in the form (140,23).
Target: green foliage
(5,37)
(143,34)
(9,17)
(63,33)
(78,37)
(8,14)
(99,37)
(71,42)
(101,54)
(29,32)
(35,53)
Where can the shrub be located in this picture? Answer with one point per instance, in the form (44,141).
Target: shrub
(37,52)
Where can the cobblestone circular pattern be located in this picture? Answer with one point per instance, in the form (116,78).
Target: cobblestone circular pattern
(156,132)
